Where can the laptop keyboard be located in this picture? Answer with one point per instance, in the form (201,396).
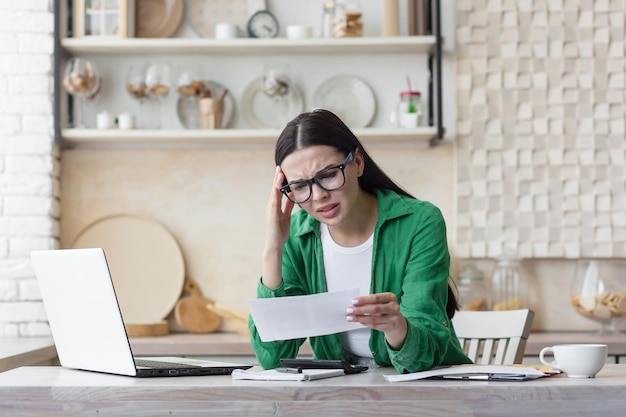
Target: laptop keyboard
(160,364)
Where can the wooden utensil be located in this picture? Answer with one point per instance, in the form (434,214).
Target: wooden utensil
(239,321)
(191,312)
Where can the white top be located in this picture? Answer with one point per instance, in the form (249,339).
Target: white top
(349,267)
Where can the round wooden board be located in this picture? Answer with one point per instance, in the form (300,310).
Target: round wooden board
(145,261)
(160,328)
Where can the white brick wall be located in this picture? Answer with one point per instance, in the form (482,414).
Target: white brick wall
(29,165)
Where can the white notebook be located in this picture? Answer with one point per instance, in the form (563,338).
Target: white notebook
(274,375)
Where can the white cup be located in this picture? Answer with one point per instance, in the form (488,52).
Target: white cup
(104,120)
(299,31)
(226,31)
(576,360)
(126,121)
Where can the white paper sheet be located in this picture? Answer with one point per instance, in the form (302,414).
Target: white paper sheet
(285,318)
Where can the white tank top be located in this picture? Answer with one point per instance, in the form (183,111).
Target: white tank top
(349,267)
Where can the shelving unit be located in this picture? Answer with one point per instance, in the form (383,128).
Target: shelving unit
(430,45)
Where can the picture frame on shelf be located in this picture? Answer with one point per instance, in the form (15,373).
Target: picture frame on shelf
(104,18)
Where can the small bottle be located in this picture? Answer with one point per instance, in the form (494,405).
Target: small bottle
(409,112)
(473,294)
(327,19)
(507,288)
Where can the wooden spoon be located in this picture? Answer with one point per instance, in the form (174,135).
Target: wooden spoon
(191,312)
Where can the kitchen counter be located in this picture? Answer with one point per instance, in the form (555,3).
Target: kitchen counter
(234,344)
(16,352)
(57,391)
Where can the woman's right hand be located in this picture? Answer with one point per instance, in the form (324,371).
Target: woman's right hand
(277,223)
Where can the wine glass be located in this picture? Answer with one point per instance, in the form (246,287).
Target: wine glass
(81,80)
(158,85)
(278,85)
(598,291)
(136,83)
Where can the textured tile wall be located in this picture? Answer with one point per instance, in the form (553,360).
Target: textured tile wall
(540,90)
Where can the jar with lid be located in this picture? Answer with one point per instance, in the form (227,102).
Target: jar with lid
(327,19)
(473,294)
(508,290)
(409,110)
(347,19)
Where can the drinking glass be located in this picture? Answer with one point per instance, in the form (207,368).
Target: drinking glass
(158,85)
(81,80)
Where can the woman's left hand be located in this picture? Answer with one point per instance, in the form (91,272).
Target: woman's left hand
(380,312)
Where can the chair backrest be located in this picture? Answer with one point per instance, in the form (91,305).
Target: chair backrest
(494,337)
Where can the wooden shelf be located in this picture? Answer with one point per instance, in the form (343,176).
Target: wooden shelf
(229,136)
(241,46)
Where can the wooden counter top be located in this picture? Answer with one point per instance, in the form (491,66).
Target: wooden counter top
(234,344)
(35,391)
(16,352)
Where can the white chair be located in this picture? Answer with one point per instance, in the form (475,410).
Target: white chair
(494,337)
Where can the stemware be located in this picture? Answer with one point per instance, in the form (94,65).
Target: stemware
(136,83)
(278,84)
(81,80)
(598,291)
(158,85)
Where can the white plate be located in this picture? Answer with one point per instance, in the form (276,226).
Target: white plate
(262,111)
(203,15)
(349,97)
(146,264)
(188,109)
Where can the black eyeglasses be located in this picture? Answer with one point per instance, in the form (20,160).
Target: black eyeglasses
(329,179)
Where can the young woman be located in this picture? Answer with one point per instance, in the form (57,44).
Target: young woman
(356,228)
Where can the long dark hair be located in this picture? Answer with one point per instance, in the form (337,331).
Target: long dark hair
(322,127)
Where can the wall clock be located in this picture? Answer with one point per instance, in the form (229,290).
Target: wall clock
(262,24)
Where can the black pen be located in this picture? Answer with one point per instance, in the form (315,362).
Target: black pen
(289,370)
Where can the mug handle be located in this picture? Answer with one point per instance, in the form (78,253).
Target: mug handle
(544,351)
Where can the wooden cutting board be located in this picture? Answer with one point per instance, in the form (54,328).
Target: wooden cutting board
(145,261)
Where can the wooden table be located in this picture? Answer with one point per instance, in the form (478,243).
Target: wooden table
(16,352)
(54,391)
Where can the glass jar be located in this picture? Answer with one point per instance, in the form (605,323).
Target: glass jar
(409,111)
(327,19)
(473,294)
(347,19)
(508,290)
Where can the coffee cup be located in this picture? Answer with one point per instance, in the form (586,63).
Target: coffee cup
(226,31)
(104,120)
(576,360)
(126,121)
(299,32)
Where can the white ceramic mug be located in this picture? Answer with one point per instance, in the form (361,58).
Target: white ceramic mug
(576,360)
(299,32)
(126,121)
(226,31)
(104,120)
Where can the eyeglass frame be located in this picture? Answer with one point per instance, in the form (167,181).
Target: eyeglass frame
(286,188)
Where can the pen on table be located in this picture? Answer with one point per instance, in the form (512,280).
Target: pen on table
(289,370)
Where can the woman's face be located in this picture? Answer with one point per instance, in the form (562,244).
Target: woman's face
(330,207)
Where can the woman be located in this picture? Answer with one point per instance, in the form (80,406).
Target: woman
(356,228)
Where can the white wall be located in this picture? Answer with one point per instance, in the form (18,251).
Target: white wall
(29,169)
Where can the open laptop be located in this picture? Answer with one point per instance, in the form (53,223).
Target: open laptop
(87,324)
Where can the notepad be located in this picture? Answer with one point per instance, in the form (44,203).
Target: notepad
(477,372)
(274,375)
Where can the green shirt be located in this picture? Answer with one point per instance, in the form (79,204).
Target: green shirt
(410,259)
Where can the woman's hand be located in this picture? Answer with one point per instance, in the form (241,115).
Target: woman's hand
(277,223)
(380,312)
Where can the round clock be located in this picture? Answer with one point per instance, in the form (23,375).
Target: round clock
(262,24)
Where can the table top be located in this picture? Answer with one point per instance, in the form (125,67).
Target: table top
(15,352)
(40,389)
